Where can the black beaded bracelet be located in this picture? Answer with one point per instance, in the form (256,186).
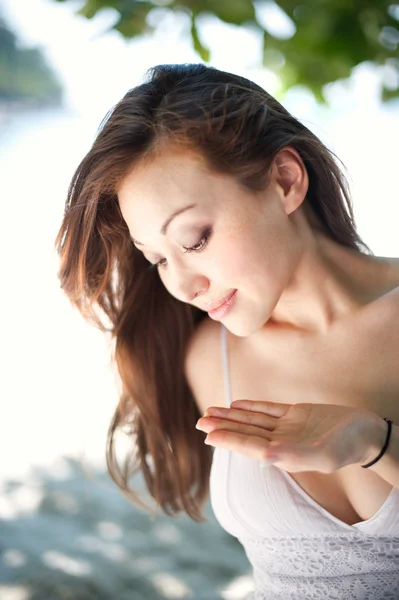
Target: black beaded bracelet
(385,446)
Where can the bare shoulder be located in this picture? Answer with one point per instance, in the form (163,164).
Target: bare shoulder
(394,301)
(203,365)
(386,309)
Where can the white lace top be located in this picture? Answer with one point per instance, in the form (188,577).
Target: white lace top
(297,549)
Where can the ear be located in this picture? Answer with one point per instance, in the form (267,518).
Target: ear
(291,178)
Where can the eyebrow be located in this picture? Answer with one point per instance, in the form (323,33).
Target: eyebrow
(167,222)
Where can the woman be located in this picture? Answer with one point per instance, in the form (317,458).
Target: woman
(214,232)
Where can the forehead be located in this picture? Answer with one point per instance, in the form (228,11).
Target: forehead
(163,183)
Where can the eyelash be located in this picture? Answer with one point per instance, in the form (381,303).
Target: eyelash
(198,247)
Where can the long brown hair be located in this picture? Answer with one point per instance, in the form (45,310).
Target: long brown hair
(238,128)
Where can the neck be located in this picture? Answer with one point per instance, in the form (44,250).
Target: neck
(330,282)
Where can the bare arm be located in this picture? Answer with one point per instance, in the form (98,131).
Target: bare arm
(203,366)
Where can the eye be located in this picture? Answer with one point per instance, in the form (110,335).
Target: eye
(160,263)
(198,247)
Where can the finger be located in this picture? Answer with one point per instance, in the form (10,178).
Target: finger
(250,445)
(209,424)
(241,416)
(275,409)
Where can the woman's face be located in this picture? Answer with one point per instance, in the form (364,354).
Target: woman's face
(224,239)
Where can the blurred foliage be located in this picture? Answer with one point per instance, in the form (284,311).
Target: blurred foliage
(24,73)
(328,38)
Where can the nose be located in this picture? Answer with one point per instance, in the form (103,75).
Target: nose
(186,285)
(191,289)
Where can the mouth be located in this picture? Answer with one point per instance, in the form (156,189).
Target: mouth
(215,305)
(224,307)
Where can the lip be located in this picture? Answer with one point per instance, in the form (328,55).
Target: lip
(214,305)
(222,310)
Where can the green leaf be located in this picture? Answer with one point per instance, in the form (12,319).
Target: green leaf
(133,21)
(89,9)
(332,36)
(198,46)
(388,94)
(235,12)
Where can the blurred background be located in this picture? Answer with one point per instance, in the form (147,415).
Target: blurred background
(65,530)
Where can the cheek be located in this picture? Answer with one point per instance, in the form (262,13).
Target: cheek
(249,261)
(259,265)
(225,267)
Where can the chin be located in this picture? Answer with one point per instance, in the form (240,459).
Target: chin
(242,329)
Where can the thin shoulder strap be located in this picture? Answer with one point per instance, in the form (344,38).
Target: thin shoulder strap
(225,360)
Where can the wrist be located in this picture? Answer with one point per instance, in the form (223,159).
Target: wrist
(374,436)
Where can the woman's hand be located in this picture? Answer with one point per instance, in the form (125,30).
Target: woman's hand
(297,437)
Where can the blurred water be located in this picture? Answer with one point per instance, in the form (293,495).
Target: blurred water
(70,535)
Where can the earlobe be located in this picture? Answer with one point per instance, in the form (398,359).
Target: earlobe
(292,178)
